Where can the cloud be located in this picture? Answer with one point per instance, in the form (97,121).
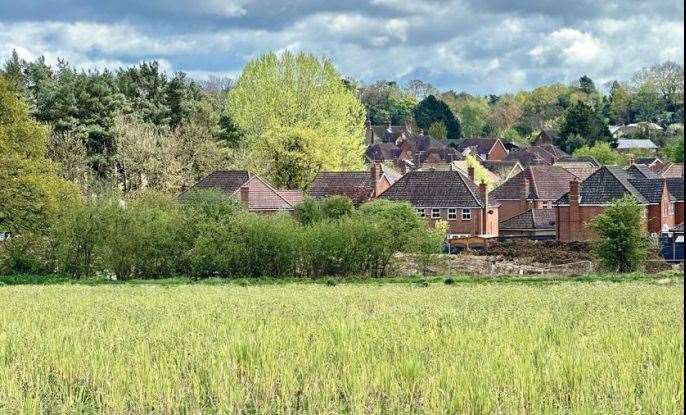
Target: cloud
(489,46)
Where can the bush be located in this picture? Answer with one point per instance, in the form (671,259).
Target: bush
(310,211)
(25,254)
(622,243)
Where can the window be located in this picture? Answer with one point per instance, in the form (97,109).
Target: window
(435,213)
(547,205)
(466,214)
(671,209)
(452,214)
(421,213)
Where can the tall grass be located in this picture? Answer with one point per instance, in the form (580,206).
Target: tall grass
(562,348)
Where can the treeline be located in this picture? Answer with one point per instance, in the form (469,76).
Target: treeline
(654,94)
(152,235)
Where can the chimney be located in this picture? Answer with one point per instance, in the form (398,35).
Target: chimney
(632,160)
(245,196)
(524,203)
(574,214)
(483,194)
(470,172)
(376,171)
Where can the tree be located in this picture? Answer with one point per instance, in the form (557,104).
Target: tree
(503,116)
(622,243)
(620,104)
(541,108)
(420,89)
(438,130)
(587,85)
(603,153)
(30,190)
(298,91)
(582,121)
(385,101)
(675,149)
(292,156)
(430,110)
(472,115)
(646,103)
(68,151)
(480,172)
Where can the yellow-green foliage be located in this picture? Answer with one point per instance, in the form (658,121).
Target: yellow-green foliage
(480,172)
(304,348)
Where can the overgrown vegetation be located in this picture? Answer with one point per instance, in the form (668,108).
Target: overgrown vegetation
(344,348)
(151,235)
(622,243)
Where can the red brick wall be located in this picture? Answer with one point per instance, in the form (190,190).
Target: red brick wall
(678,212)
(498,152)
(471,226)
(570,230)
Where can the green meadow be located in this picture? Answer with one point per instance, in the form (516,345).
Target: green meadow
(560,347)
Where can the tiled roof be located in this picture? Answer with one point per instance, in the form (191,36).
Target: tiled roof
(225,180)
(648,160)
(292,196)
(461,166)
(358,186)
(502,168)
(607,184)
(382,152)
(436,189)
(675,185)
(639,171)
(553,149)
(586,160)
(482,145)
(672,170)
(582,172)
(385,133)
(625,144)
(531,219)
(650,189)
(545,183)
(528,157)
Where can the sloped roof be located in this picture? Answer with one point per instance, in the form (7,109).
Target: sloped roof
(648,160)
(502,168)
(638,171)
(675,186)
(528,157)
(545,183)
(225,180)
(532,219)
(586,160)
(580,171)
(607,184)
(436,189)
(650,189)
(672,170)
(382,152)
(553,149)
(461,166)
(624,144)
(386,133)
(357,185)
(482,145)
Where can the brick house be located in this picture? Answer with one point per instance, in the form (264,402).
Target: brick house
(449,196)
(675,185)
(359,186)
(536,187)
(539,154)
(255,193)
(491,149)
(385,133)
(585,200)
(412,153)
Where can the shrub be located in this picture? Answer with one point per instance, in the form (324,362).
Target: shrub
(308,211)
(25,254)
(336,207)
(622,243)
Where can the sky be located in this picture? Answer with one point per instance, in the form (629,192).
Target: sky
(477,46)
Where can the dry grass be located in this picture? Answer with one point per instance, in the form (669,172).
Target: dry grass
(466,348)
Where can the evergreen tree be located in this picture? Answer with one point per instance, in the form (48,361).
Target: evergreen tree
(582,121)
(431,110)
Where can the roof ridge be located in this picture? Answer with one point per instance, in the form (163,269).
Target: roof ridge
(476,199)
(266,183)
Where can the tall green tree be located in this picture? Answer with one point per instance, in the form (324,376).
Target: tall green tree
(298,90)
(622,244)
(582,121)
(30,189)
(619,104)
(431,110)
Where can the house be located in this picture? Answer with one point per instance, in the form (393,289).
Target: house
(629,145)
(359,186)
(641,171)
(645,128)
(672,243)
(536,224)
(386,133)
(462,167)
(449,196)
(412,152)
(587,199)
(539,154)
(546,136)
(654,163)
(503,169)
(255,193)
(675,186)
(537,187)
(484,148)
(581,167)
(671,170)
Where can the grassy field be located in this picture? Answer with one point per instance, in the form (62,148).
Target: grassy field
(563,347)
